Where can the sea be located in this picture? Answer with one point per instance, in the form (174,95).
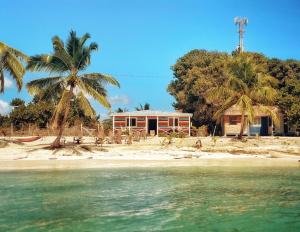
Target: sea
(225,199)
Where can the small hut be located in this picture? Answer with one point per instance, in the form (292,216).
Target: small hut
(262,124)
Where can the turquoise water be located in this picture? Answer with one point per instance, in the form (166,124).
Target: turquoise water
(158,199)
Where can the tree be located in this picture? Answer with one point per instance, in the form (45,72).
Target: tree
(288,74)
(68,61)
(194,74)
(11,61)
(248,85)
(146,106)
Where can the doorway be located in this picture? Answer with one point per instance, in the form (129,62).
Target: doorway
(264,126)
(152,125)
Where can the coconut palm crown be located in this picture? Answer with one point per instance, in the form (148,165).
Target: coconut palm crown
(11,61)
(67,63)
(247,86)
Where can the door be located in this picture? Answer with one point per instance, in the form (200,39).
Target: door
(152,125)
(264,126)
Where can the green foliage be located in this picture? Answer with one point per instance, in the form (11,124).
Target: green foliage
(34,113)
(200,72)
(141,107)
(4,121)
(120,110)
(248,84)
(17,102)
(194,74)
(288,74)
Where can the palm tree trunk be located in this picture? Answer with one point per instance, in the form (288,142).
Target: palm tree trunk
(242,126)
(56,142)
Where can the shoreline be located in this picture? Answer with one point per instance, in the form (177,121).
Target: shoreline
(14,165)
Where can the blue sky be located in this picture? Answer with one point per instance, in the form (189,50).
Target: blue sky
(140,40)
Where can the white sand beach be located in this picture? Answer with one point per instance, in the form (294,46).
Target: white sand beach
(267,151)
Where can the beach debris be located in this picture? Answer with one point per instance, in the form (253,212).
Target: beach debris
(188,156)
(198,144)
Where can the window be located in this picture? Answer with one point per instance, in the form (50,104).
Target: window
(233,120)
(170,121)
(132,121)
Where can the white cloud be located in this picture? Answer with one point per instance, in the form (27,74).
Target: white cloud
(5,108)
(7,83)
(119,100)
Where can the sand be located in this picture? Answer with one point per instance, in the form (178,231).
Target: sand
(267,151)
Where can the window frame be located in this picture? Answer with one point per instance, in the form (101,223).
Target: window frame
(131,118)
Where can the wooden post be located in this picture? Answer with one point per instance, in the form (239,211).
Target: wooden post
(129,124)
(189,126)
(81,129)
(11,129)
(146,125)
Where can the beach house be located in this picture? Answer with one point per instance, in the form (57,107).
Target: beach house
(262,124)
(152,122)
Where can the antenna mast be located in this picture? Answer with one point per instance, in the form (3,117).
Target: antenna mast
(241,22)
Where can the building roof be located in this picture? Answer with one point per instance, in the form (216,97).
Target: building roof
(235,110)
(152,113)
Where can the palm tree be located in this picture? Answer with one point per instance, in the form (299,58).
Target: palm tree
(11,61)
(68,61)
(146,106)
(247,86)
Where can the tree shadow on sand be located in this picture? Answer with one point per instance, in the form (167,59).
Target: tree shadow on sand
(70,149)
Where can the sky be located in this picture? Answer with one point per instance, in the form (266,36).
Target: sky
(140,40)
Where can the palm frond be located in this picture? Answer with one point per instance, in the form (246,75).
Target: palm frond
(12,64)
(245,104)
(90,90)
(95,84)
(237,84)
(60,52)
(102,77)
(271,111)
(85,105)
(227,104)
(217,94)
(72,44)
(41,84)
(93,46)
(267,80)
(4,47)
(46,63)
(266,95)
(84,38)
